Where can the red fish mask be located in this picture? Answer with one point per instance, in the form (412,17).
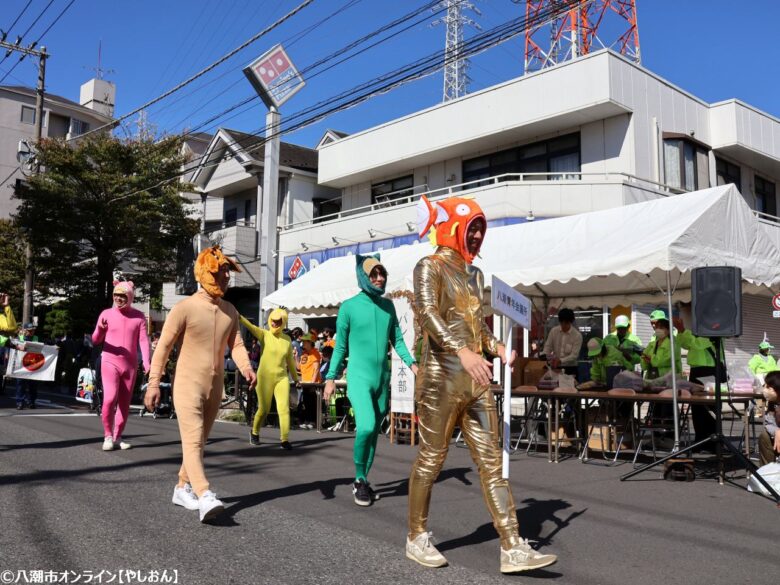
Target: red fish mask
(448,222)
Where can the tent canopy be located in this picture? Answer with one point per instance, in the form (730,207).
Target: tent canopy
(588,259)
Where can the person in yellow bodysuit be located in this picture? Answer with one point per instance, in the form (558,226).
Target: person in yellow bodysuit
(277,363)
(204,324)
(453,384)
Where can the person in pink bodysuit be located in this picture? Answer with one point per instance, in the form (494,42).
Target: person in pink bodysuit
(121,329)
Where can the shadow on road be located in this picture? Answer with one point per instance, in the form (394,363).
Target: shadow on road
(326,487)
(400,487)
(531,518)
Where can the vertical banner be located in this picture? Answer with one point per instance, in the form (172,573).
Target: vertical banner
(402,378)
(35,362)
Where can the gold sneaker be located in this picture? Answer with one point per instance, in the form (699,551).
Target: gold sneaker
(421,550)
(522,557)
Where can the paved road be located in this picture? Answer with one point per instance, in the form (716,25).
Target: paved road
(68,506)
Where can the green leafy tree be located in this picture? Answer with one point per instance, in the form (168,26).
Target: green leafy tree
(12,265)
(104,205)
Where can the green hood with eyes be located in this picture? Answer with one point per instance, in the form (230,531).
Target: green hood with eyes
(364,266)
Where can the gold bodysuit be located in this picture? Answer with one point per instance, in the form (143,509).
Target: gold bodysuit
(448,301)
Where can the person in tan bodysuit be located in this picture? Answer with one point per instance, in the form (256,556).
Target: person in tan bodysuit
(204,324)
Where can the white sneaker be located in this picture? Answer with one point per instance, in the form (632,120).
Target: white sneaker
(210,507)
(421,550)
(522,557)
(125,446)
(185,497)
(108,444)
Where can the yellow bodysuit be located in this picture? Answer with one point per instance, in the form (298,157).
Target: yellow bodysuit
(272,375)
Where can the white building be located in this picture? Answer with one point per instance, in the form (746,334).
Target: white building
(62,118)
(588,134)
(229,182)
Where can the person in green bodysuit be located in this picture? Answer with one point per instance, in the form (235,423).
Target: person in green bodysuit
(366,324)
(276,363)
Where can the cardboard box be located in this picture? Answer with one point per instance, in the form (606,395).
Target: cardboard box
(533,372)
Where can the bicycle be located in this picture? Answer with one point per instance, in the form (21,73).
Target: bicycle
(236,390)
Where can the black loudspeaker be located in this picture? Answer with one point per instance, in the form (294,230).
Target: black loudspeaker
(716,296)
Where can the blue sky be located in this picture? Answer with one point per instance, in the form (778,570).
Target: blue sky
(715,49)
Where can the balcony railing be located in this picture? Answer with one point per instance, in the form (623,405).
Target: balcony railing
(564,177)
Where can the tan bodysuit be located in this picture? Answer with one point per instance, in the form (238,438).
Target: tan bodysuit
(204,325)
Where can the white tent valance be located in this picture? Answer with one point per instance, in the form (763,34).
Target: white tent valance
(588,259)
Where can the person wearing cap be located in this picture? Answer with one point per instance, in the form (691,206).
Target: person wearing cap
(604,355)
(657,356)
(26,390)
(121,329)
(366,323)
(629,344)
(203,324)
(310,372)
(701,360)
(277,365)
(762,362)
(563,343)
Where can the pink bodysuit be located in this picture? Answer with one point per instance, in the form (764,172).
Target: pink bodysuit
(125,332)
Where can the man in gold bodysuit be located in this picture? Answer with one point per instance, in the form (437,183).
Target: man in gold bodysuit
(452,387)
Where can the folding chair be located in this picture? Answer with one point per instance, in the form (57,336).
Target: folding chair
(607,421)
(652,424)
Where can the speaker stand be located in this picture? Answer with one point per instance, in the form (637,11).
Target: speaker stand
(720,441)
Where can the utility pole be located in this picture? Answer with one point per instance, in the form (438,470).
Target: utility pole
(27,307)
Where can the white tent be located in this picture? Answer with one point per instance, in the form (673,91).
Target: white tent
(584,259)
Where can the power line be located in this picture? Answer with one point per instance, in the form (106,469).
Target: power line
(201,73)
(18,16)
(40,37)
(341,51)
(389,81)
(24,34)
(289,42)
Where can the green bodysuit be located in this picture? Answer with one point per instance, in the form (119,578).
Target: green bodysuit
(366,324)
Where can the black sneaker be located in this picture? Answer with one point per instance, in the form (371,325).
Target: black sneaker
(286,445)
(254,439)
(374,496)
(361,493)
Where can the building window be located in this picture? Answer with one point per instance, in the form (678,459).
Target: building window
(231,216)
(766,202)
(728,173)
(78,127)
(556,159)
(390,191)
(247,211)
(325,207)
(685,164)
(28,115)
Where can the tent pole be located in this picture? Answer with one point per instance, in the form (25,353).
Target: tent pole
(672,342)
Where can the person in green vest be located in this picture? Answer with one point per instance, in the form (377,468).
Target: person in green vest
(628,343)
(604,355)
(657,356)
(762,362)
(701,359)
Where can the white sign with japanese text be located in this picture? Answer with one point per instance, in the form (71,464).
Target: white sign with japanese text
(508,302)
(402,378)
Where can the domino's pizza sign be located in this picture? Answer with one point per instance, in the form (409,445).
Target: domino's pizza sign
(274,77)
(297,269)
